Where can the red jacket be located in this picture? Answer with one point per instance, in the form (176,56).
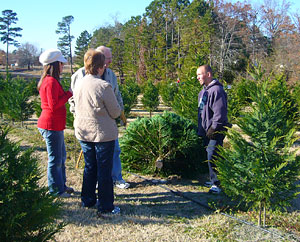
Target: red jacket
(53,99)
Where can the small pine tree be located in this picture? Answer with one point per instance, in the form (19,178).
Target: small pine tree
(150,97)
(27,211)
(16,96)
(129,91)
(185,101)
(167,91)
(259,167)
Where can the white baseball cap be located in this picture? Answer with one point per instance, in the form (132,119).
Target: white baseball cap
(52,55)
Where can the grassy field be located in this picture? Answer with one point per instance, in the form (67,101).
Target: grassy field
(156,212)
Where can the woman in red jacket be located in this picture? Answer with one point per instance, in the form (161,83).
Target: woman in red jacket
(52,121)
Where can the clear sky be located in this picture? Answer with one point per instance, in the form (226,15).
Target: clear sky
(39,18)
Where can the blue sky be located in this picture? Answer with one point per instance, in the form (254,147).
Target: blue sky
(39,18)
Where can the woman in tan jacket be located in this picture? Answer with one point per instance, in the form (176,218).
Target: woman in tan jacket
(95,112)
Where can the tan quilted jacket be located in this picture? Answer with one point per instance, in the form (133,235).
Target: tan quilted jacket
(96,109)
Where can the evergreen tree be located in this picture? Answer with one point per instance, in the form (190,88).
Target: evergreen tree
(27,211)
(132,47)
(117,47)
(185,101)
(195,30)
(259,167)
(16,96)
(168,90)
(65,42)
(150,97)
(82,44)
(129,90)
(7,32)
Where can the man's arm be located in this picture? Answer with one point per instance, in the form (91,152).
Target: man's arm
(118,95)
(80,73)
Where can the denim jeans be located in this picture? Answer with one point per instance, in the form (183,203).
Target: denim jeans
(211,150)
(98,157)
(117,168)
(56,170)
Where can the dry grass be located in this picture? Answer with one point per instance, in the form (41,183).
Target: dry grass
(151,212)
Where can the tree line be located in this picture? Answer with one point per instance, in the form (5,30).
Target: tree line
(172,36)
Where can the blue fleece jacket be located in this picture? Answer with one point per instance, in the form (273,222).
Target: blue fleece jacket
(212,108)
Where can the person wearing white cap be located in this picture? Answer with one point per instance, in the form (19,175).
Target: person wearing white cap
(52,120)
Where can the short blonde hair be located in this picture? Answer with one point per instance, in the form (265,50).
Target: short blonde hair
(93,60)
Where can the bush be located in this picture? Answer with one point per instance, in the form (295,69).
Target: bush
(27,211)
(166,138)
(129,91)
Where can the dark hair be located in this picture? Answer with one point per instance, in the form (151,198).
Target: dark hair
(93,60)
(51,69)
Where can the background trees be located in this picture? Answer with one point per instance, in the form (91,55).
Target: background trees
(27,55)
(65,42)
(81,47)
(9,33)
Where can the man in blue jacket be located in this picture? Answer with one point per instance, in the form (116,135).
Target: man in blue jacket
(212,118)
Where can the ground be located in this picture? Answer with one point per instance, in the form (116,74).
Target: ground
(151,211)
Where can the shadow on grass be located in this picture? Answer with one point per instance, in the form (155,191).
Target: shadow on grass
(142,208)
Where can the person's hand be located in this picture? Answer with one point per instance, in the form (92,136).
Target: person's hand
(211,133)
(123,118)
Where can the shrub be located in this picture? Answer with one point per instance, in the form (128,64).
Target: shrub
(259,167)
(129,91)
(166,138)
(27,211)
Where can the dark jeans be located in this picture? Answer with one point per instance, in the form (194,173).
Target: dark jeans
(98,158)
(211,150)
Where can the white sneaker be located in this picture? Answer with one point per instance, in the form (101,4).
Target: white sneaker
(215,189)
(122,184)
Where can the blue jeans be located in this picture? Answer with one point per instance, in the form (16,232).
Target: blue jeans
(98,157)
(117,168)
(56,160)
(212,152)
